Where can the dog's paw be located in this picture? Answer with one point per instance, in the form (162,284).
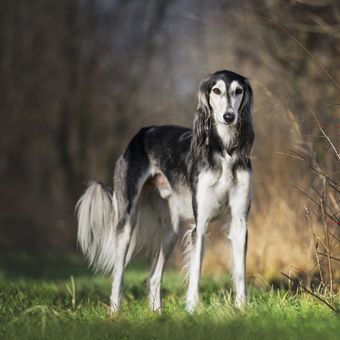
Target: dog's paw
(190,305)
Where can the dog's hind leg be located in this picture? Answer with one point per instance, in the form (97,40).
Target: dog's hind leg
(122,245)
(128,182)
(167,241)
(167,244)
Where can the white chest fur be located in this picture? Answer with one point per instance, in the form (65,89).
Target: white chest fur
(213,188)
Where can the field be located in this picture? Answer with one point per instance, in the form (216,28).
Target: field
(59,298)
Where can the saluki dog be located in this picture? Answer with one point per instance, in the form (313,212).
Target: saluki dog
(169,174)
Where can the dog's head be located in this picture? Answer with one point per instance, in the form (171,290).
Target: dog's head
(225,98)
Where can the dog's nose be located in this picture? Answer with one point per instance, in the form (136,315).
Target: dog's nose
(229,117)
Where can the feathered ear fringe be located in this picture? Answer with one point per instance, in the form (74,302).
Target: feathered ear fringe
(202,120)
(246,132)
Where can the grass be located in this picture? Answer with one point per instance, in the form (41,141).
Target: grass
(58,298)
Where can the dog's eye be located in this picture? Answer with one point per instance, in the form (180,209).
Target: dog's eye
(238,91)
(217,91)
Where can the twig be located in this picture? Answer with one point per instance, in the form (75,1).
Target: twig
(295,154)
(303,192)
(333,218)
(318,171)
(324,133)
(331,212)
(285,30)
(296,281)
(323,243)
(315,244)
(335,238)
(290,155)
(328,250)
(332,257)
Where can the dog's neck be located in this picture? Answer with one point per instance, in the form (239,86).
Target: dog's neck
(227,135)
(220,143)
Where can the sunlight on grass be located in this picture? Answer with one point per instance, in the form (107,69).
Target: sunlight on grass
(33,306)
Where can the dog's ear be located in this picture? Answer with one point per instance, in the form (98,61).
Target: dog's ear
(246,129)
(202,119)
(247,101)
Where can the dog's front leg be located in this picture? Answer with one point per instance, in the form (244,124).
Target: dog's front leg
(203,205)
(238,235)
(196,244)
(239,201)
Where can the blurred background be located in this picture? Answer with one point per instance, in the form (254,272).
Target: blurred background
(79,78)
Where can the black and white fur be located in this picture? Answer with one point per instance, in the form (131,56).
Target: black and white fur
(169,174)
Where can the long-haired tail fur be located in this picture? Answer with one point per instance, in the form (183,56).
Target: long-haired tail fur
(97,213)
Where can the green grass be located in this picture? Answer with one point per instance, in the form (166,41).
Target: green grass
(39,299)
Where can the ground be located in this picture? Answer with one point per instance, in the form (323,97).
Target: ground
(57,297)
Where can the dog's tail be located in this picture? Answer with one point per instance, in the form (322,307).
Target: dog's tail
(97,215)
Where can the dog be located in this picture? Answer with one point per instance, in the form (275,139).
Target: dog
(170,174)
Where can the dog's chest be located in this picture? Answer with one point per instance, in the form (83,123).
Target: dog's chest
(213,188)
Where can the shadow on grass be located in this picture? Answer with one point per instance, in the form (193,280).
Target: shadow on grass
(60,267)
(47,276)
(49,267)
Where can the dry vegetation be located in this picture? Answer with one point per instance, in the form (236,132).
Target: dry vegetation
(79,78)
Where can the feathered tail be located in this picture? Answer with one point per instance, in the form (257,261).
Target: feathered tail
(97,214)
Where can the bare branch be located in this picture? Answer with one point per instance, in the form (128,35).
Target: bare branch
(283,29)
(328,250)
(296,281)
(332,257)
(315,243)
(324,133)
